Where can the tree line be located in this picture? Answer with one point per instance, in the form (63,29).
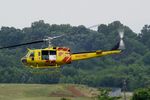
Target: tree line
(132,65)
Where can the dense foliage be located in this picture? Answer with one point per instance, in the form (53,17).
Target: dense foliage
(104,95)
(141,94)
(132,65)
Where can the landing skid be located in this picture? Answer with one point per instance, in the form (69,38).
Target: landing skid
(53,66)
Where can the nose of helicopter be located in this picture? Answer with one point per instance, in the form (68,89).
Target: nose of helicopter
(24,60)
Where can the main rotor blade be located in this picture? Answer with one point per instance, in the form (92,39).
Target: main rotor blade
(93,26)
(57,36)
(12,46)
(51,38)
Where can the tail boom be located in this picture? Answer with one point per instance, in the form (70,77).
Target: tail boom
(88,55)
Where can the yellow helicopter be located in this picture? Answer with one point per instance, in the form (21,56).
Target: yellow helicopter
(53,57)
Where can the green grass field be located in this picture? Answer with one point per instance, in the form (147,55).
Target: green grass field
(45,92)
(48,92)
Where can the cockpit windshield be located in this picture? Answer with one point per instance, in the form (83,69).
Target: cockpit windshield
(30,54)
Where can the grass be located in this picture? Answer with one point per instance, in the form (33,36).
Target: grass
(47,92)
(37,92)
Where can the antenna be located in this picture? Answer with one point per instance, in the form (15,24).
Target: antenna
(124,89)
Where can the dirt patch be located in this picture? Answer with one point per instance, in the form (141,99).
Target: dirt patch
(61,94)
(71,91)
(75,91)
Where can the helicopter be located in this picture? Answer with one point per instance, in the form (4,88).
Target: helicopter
(55,57)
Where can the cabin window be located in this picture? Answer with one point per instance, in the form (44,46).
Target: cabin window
(39,54)
(45,55)
(52,52)
(49,55)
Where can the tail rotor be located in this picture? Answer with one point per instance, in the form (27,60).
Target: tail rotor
(121,44)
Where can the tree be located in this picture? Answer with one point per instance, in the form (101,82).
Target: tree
(141,94)
(104,95)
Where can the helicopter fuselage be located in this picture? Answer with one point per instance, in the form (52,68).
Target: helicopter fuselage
(54,57)
(48,57)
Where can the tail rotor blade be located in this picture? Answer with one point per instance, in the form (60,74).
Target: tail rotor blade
(121,45)
(121,33)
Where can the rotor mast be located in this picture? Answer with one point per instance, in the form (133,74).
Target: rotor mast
(48,39)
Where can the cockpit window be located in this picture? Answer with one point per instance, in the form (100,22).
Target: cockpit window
(28,54)
(32,54)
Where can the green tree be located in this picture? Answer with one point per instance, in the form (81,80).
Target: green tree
(141,94)
(104,95)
